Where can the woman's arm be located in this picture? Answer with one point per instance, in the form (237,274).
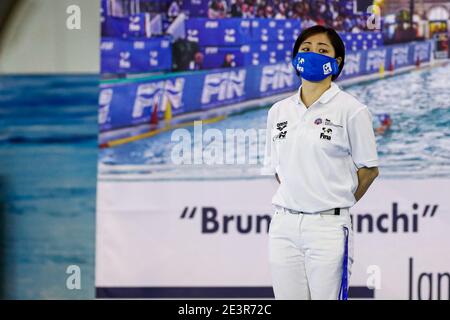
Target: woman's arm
(365,178)
(363,149)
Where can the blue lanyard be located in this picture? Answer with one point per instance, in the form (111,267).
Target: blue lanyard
(343,291)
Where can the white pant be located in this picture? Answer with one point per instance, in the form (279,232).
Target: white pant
(306,254)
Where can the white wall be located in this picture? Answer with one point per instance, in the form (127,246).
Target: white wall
(37,40)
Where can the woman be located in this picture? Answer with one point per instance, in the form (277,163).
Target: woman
(321,147)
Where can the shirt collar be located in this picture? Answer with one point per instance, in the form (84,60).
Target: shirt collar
(325,97)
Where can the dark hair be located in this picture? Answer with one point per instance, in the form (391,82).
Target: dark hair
(335,40)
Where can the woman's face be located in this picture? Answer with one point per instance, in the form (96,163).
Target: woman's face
(319,43)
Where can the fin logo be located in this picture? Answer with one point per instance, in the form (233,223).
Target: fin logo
(124,61)
(193,35)
(352,63)
(400,56)
(375,59)
(326,133)
(211,24)
(107,45)
(223,86)
(160,93)
(153,58)
(277,76)
(421,52)
(135,23)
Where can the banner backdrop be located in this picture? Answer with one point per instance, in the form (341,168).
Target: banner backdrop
(166,232)
(132,55)
(209,238)
(131,102)
(134,26)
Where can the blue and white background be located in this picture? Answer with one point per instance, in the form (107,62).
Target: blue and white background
(168,230)
(130,102)
(165,230)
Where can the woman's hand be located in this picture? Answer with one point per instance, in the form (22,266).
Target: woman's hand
(365,178)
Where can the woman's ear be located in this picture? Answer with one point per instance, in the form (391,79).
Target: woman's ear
(339,60)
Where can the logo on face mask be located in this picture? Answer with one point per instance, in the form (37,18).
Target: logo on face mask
(314,66)
(301,61)
(327,68)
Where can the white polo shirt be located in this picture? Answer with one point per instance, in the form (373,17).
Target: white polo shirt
(317,151)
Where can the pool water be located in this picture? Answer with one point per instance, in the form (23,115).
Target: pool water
(48,156)
(417,145)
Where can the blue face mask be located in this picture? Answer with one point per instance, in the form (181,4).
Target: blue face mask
(314,66)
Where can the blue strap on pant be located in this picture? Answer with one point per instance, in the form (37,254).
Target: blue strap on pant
(343,291)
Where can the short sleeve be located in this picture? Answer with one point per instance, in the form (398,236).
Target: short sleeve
(269,165)
(363,147)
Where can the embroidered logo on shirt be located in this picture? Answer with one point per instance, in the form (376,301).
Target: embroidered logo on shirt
(318,121)
(281,126)
(326,133)
(329,123)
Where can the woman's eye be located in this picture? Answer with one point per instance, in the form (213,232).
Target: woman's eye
(305,49)
(323,51)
